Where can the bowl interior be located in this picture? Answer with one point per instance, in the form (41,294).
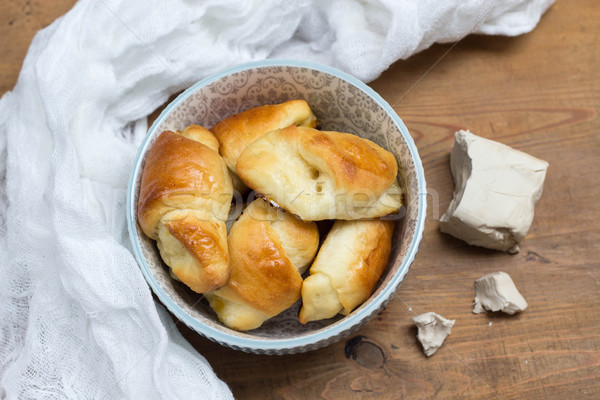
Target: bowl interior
(340,104)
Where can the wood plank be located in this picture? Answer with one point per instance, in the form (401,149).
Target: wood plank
(19,22)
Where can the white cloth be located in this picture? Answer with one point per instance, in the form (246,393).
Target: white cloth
(77,319)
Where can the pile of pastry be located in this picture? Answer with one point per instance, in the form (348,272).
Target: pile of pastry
(298,175)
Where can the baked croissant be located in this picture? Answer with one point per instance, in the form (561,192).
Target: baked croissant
(238,131)
(320,175)
(184,199)
(269,250)
(346,269)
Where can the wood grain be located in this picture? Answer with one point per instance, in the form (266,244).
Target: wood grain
(19,22)
(539,93)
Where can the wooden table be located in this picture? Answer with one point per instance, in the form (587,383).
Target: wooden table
(539,93)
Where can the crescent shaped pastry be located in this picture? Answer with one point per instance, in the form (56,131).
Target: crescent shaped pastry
(347,268)
(269,250)
(320,175)
(185,196)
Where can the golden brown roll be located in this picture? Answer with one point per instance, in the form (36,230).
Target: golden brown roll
(321,175)
(185,196)
(238,131)
(201,135)
(269,249)
(347,267)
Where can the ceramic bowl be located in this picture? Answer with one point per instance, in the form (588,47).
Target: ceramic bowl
(341,103)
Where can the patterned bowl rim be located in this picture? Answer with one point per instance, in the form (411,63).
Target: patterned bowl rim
(276,345)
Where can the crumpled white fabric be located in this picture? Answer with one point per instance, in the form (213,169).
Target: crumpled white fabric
(76,316)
